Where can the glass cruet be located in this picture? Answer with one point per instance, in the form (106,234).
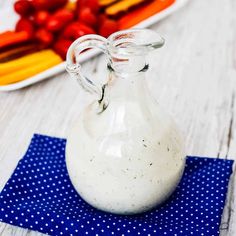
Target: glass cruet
(124,154)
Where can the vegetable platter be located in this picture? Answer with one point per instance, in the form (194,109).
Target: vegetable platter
(36,30)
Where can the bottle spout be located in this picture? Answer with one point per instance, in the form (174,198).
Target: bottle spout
(128,48)
(134,42)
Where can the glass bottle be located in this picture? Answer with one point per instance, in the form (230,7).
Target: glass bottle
(124,154)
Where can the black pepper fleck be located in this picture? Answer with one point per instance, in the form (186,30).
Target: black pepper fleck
(144,145)
(150,164)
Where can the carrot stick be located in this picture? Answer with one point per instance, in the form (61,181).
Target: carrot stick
(6,33)
(13,38)
(143,13)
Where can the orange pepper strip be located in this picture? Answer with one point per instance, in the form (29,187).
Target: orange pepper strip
(6,33)
(142,13)
(7,39)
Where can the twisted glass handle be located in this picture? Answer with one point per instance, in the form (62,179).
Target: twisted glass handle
(74,67)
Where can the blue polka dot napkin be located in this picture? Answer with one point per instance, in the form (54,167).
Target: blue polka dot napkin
(40,196)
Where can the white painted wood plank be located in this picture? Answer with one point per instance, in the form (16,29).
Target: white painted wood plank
(194,78)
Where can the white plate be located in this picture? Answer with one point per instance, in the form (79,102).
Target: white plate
(4,14)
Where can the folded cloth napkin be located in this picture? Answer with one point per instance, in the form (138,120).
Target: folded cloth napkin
(40,196)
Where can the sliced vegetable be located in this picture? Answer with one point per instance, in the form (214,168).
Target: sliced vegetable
(143,13)
(31,70)
(107,2)
(6,34)
(13,38)
(25,61)
(122,6)
(18,51)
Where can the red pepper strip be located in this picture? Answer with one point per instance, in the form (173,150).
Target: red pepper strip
(143,13)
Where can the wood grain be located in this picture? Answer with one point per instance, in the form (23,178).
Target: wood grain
(193,77)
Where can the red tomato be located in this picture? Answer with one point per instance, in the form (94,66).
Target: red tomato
(92,4)
(23,7)
(87,16)
(76,30)
(54,24)
(48,4)
(25,25)
(64,15)
(101,18)
(45,37)
(108,27)
(59,20)
(61,47)
(40,4)
(41,17)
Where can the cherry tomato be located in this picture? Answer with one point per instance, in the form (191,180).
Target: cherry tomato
(23,7)
(48,4)
(25,25)
(61,47)
(76,30)
(64,15)
(41,17)
(54,24)
(87,16)
(108,27)
(92,4)
(101,18)
(45,37)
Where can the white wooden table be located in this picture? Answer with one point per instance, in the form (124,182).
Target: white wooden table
(194,79)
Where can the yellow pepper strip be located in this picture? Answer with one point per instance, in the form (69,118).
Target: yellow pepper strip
(123,5)
(25,61)
(30,70)
(106,2)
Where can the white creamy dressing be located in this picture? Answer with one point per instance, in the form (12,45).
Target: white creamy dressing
(127,159)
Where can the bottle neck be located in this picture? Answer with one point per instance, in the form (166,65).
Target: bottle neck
(123,86)
(126,86)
